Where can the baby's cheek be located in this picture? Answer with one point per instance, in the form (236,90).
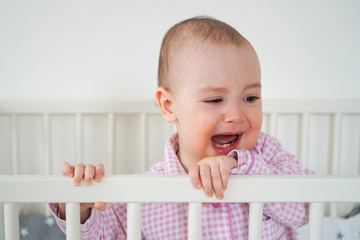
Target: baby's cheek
(249,140)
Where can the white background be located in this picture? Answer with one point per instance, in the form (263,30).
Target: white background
(109,49)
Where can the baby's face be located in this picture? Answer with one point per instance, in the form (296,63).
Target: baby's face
(216,100)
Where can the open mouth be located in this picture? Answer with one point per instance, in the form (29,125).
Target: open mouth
(225,143)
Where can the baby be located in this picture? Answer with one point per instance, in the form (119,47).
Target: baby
(210,86)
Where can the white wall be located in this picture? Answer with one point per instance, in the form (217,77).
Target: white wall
(109,49)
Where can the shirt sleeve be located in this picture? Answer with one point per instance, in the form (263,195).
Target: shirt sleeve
(268,157)
(110,224)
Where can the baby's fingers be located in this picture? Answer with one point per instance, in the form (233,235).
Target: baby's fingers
(225,167)
(206,204)
(79,173)
(99,172)
(217,182)
(206,180)
(194,176)
(89,174)
(67,169)
(100,206)
(224,171)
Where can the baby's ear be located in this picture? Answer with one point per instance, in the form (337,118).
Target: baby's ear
(164,100)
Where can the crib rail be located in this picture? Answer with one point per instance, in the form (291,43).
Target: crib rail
(256,190)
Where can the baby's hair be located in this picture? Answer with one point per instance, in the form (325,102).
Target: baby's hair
(202,29)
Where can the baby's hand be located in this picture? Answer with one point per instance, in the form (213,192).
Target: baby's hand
(86,173)
(212,174)
(81,172)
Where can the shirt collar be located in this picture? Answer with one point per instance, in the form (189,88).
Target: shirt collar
(172,165)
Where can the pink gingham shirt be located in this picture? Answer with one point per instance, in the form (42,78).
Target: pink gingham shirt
(168,221)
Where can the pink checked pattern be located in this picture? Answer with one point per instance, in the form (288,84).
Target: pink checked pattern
(168,221)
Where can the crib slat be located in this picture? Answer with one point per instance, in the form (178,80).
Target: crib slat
(304,139)
(72,221)
(336,144)
(46,151)
(46,143)
(273,124)
(14,143)
(133,221)
(316,215)
(11,216)
(255,220)
(194,221)
(111,143)
(78,137)
(336,156)
(143,144)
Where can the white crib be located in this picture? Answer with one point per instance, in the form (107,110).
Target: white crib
(324,134)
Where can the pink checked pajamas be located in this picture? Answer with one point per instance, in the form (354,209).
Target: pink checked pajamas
(168,221)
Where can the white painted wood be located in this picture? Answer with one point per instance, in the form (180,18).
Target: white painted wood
(11,216)
(255,220)
(178,188)
(336,144)
(46,143)
(46,151)
(133,221)
(304,139)
(14,143)
(265,123)
(72,221)
(323,106)
(143,141)
(273,124)
(74,107)
(316,216)
(194,220)
(335,156)
(111,144)
(79,138)
(334,209)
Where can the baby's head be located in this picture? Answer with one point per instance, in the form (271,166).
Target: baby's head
(210,86)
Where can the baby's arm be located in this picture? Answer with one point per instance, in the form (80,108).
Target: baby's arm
(80,173)
(109,222)
(270,158)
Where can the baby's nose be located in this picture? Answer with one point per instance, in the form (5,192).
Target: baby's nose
(234,118)
(234,115)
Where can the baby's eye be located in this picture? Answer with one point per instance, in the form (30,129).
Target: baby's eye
(215,100)
(251,99)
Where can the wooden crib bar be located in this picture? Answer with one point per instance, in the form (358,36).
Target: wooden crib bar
(194,220)
(255,220)
(316,215)
(178,188)
(254,189)
(73,221)
(133,221)
(11,221)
